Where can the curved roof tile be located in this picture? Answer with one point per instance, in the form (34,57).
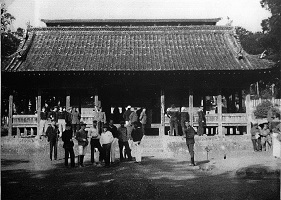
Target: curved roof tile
(141,48)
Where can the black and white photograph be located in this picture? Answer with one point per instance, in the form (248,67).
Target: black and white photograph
(141,99)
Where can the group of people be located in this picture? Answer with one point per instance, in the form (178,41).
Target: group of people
(267,135)
(176,115)
(104,137)
(61,116)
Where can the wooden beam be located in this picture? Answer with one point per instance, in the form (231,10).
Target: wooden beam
(219,105)
(10,115)
(96,98)
(248,112)
(190,106)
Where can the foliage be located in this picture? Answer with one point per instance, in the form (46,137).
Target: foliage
(272,27)
(262,109)
(9,40)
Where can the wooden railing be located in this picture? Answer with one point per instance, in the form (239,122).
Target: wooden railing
(228,119)
(25,122)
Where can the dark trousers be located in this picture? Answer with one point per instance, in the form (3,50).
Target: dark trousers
(67,152)
(191,149)
(255,146)
(95,143)
(106,150)
(53,145)
(143,128)
(259,147)
(174,125)
(127,149)
(201,129)
(75,128)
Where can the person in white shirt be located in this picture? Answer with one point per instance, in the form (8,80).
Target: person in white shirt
(105,141)
(93,134)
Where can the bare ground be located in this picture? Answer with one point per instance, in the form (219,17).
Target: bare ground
(33,176)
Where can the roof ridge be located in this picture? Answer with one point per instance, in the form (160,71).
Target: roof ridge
(135,28)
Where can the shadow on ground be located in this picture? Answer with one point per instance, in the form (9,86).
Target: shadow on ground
(153,179)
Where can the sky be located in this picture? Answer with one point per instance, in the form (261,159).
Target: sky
(245,13)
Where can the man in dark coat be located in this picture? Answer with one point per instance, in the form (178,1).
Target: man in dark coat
(201,121)
(189,133)
(184,117)
(173,114)
(68,145)
(52,133)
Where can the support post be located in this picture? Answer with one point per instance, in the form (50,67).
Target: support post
(219,104)
(233,105)
(96,98)
(190,106)
(39,100)
(162,128)
(248,113)
(10,116)
(240,101)
(67,100)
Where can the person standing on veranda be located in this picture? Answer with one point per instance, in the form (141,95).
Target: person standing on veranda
(143,120)
(201,121)
(173,114)
(43,122)
(127,114)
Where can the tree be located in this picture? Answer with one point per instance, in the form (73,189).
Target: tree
(272,28)
(9,40)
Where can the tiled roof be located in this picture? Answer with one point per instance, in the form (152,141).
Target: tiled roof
(139,48)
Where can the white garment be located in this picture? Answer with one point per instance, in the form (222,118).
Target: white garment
(114,145)
(81,150)
(137,150)
(106,138)
(276,144)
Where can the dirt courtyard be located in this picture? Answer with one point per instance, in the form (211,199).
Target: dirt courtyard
(33,176)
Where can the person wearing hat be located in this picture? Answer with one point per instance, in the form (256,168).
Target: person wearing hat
(123,141)
(82,138)
(105,141)
(68,145)
(127,114)
(52,134)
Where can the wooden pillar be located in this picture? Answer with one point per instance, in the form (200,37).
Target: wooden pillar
(190,106)
(162,100)
(39,102)
(10,115)
(233,105)
(248,113)
(219,104)
(67,100)
(240,100)
(96,98)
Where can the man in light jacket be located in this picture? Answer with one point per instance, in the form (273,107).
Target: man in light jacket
(105,141)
